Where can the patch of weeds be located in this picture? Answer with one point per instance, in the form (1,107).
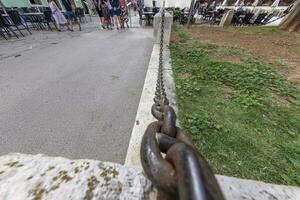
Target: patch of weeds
(181,34)
(250,129)
(283,63)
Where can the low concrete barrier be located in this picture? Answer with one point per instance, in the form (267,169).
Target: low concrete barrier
(39,177)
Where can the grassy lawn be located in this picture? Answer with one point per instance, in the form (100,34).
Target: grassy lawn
(241,112)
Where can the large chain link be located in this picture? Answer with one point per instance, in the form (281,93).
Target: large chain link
(168,156)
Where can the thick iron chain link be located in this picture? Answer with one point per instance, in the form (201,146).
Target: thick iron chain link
(168,156)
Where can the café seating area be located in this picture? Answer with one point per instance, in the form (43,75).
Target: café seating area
(14,22)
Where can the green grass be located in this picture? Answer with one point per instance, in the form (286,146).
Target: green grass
(232,112)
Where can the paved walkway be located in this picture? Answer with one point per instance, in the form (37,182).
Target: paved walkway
(72,94)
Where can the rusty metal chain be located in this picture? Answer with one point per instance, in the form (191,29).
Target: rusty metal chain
(168,155)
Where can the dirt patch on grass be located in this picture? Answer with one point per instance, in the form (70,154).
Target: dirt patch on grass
(281,100)
(227,92)
(184,75)
(268,44)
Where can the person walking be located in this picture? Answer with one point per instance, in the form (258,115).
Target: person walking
(135,6)
(105,9)
(57,15)
(70,15)
(99,11)
(140,4)
(115,10)
(124,13)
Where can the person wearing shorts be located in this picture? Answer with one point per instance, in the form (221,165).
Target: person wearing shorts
(115,11)
(105,8)
(99,11)
(70,13)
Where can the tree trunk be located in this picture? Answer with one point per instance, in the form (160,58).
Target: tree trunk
(291,22)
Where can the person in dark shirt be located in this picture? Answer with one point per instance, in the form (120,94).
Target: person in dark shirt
(105,8)
(115,10)
(99,11)
(70,7)
(140,4)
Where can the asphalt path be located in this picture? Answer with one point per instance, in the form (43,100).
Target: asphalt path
(75,96)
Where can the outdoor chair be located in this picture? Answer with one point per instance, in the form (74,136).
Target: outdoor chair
(2,11)
(267,18)
(218,16)
(7,23)
(48,19)
(79,12)
(33,16)
(148,16)
(259,18)
(17,20)
(247,18)
(2,31)
(237,19)
(23,11)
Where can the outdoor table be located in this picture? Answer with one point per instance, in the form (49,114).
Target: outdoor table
(6,18)
(33,14)
(35,17)
(149,16)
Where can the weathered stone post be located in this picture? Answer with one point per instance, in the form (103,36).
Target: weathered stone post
(168,27)
(227,18)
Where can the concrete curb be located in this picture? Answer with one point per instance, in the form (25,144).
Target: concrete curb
(143,116)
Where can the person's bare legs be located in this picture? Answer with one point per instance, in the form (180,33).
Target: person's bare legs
(102,22)
(58,27)
(70,25)
(117,21)
(79,24)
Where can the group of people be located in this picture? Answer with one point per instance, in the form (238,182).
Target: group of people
(112,13)
(67,18)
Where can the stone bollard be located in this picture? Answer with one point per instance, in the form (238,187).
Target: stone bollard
(157,27)
(227,18)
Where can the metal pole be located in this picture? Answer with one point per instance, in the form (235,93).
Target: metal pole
(130,17)
(129,13)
